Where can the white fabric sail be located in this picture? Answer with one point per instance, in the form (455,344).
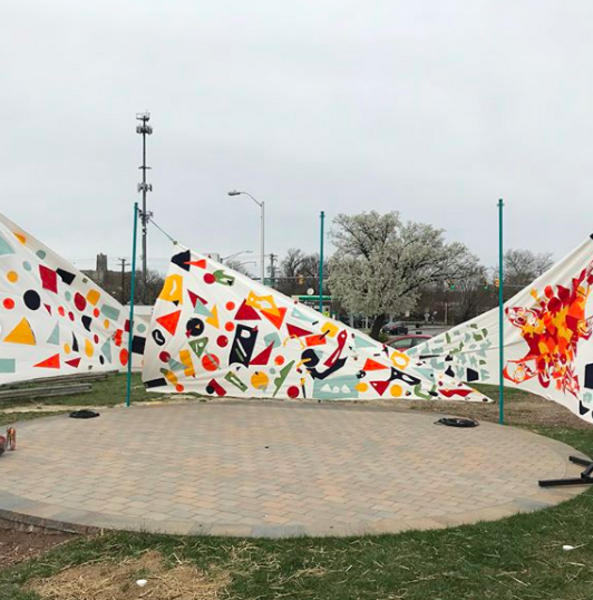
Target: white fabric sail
(53,319)
(219,333)
(548,341)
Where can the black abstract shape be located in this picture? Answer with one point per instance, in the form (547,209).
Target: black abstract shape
(194,327)
(138,344)
(311,360)
(589,376)
(158,337)
(86,321)
(32,299)
(153,383)
(471,375)
(243,345)
(182,259)
(397,375)
(66,276)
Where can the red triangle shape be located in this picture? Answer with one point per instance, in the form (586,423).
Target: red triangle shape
(380,386)
(276,320)
(169,322)
(53,362)
(194,298)
(247,313)
(263,357)
(73,362)
(47,308)
(197,263)
(373,365)
(296,331)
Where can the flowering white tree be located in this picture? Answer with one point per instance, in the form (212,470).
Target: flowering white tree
(381,262)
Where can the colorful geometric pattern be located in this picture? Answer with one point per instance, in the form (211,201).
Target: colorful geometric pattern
(219,333)
(53,319)
(548,338)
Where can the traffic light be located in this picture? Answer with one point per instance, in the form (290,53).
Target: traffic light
(301,279)
(497,283)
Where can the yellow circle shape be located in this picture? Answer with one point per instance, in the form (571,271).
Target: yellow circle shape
(259,380)
(12,276)
(396,390)
(362,386)
(67,348)
(88,348)
(106,323)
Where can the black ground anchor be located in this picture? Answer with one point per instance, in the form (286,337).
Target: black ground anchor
(586,477)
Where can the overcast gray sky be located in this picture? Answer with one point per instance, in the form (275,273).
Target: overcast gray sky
(433,108)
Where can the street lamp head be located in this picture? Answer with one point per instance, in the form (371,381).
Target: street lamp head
(235,193)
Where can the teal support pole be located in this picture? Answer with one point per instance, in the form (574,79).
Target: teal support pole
(500,313)
(322,218)
(132,290)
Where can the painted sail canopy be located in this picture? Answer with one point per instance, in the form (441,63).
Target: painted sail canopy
(548,342)
(53,319)
(219,333)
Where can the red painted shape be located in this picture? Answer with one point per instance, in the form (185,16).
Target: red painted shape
(216,387)
(118,337)
(373,365)
(193,297)
(74,362)
(315,340)
(276,320)
(247,313)
(197,263)
(49,279)
(296,331)
(47,308)
(170,321)
(79,301)
(263,357)
(53,362)
(380,386)
(455,392)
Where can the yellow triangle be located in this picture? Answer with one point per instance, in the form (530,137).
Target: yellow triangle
(20,237)
(21,334)
(213,320)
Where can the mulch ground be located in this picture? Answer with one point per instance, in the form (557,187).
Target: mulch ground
(18,546)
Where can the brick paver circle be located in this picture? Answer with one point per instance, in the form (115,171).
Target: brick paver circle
(266,469)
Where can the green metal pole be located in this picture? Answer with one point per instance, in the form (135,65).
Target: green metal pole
(500,313)
(322,217)
(132,290)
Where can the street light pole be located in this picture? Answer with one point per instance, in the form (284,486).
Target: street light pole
(263,229)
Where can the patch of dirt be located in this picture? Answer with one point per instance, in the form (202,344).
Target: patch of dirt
(108,581)
(19,546)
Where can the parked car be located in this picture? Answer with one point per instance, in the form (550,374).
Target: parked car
(405,342)
(395,328)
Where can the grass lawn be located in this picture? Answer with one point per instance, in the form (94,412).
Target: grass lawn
(517,558)
(106,392)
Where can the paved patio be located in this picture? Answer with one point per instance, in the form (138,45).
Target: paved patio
(272,469)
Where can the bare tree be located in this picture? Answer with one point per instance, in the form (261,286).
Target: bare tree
(521,267)
(381,263)
(298,271)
